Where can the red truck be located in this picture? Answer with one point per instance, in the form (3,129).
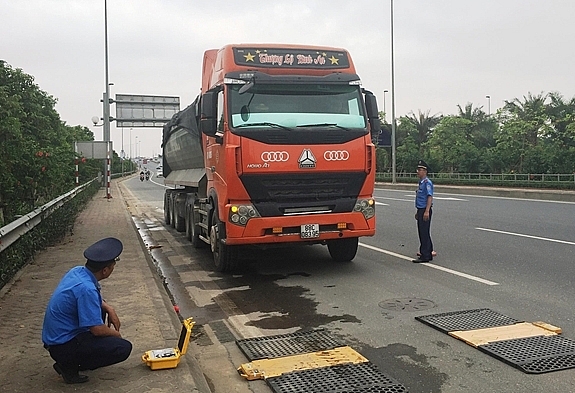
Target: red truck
(276,149)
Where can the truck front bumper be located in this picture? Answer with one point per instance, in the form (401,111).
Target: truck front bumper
(288,229)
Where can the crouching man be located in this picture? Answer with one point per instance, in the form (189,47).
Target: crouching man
(75,331)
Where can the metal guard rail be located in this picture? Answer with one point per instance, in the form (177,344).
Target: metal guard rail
(14,230)
(497,177)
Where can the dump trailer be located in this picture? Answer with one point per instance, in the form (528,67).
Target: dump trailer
(276,149)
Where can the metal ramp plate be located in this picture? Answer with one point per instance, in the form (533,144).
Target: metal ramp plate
(353,376)
(466,320)
(269,368)
(515,343)
(287,344)
(349,378)
(485,336)
(534,355)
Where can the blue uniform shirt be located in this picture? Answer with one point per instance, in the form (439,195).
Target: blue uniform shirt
(75,306)
(424,190)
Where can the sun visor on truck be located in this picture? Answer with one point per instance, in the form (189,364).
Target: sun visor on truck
(260,77)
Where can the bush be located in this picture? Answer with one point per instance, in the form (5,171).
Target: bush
(47,233)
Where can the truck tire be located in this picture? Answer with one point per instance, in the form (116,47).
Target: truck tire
(167,214)
(179,221)
(193,228)
(172,208)
(343,250)
(224,256)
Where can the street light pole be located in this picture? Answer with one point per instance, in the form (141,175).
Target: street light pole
(489,104)
(384,110)
(393,169)
(107,106)
(107,94)
(123,153)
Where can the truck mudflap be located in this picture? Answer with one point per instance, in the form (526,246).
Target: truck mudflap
(315,229)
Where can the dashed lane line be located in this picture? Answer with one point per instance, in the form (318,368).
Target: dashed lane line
(431,265)
(528,236)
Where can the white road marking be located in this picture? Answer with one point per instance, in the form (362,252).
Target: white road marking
(242,325)
(494,197)
(528,236)
(396,199)
(155,182)
(393,254)
(442,198)
(431,265)
(381,203)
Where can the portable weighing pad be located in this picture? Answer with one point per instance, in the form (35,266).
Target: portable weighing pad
(159,359)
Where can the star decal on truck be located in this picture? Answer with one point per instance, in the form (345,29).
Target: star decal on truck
(306,159)
(249,57)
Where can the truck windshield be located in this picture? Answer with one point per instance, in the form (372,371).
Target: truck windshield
(297,105)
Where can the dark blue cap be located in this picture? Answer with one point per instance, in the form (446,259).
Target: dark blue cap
(422,164)
(104,250)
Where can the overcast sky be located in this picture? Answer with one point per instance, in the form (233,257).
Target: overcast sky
(447,52)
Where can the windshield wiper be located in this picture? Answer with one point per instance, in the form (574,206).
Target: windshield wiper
(267,124)
(326,125)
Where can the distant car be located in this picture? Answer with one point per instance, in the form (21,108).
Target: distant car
(159,173)
(159,168)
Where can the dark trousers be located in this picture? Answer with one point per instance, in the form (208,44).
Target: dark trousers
(423,227)
(88,352)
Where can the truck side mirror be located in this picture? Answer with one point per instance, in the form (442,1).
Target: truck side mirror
(209,110)
(372,112)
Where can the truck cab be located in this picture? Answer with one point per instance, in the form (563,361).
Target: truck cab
(286,139)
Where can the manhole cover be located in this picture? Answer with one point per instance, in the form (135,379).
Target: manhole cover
(406,304)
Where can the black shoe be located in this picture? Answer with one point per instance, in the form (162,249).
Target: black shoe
(70,377)
(418,260)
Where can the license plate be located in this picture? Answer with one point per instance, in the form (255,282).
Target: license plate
(309,231)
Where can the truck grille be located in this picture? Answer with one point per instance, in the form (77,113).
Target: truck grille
(278,195)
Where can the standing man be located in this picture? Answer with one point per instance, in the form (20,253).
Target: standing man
(75,331)
(423,203)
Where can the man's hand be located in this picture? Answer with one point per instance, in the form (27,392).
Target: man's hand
(426,215)
(113,319)
(104,331)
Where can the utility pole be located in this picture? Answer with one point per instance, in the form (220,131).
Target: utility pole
(107,107)
(393,168)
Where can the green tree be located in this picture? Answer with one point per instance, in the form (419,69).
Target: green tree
(423,124)
(523,125)
(560,138)
(451,147)
(407,155)
(35,145)
(483,126)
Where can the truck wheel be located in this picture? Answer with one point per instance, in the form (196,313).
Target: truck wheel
(172,214)
(343,250)
(167,214)
(180,223)
(224,256)
(193,228)
(179,220)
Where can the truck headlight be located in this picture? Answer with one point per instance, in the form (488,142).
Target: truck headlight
(240,214)
(366,207)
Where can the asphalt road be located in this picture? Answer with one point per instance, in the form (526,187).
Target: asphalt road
(510,255)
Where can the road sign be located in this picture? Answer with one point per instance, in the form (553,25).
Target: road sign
(145,110)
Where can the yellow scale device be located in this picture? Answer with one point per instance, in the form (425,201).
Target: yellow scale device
(160,359)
